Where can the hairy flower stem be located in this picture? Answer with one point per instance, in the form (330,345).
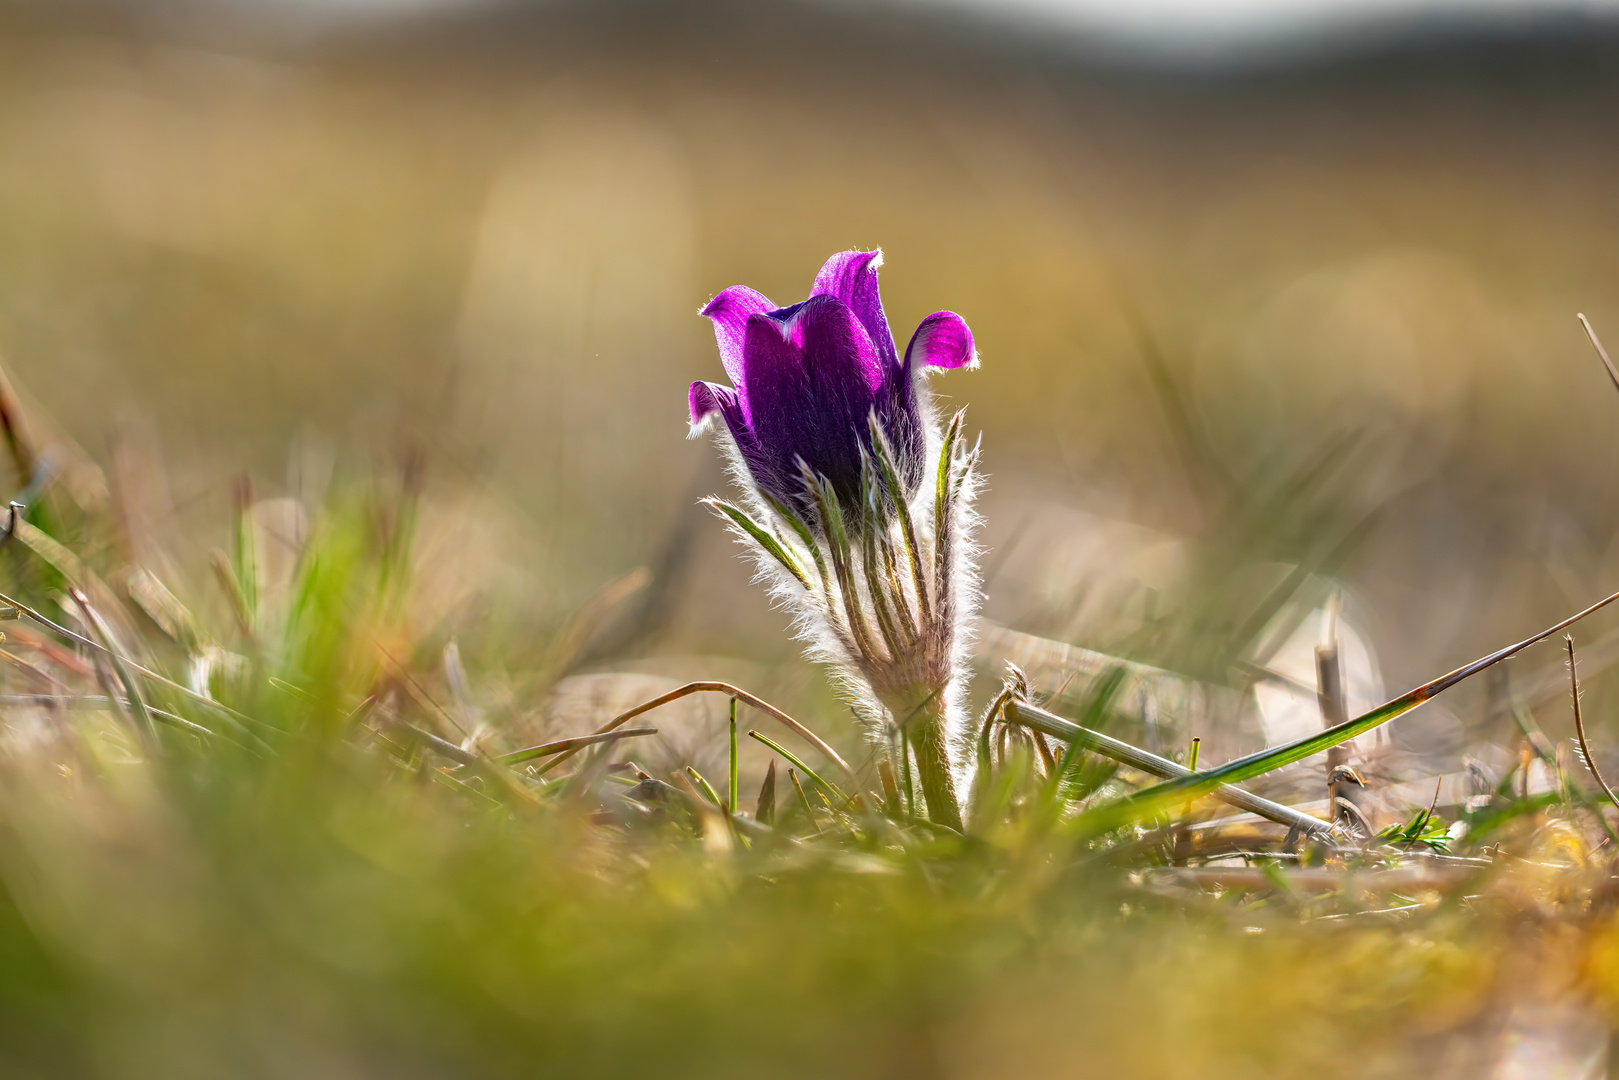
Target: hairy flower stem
(927,729)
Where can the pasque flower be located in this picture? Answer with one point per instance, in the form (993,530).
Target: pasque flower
(805,378)
(838,452)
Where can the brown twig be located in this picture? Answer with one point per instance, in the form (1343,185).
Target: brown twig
(557,746)
(1574,687)
(716,688)
(1613,373)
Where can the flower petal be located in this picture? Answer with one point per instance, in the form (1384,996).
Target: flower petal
(813,379)
(706,399)
(942,341)
(851,276)
(730,311)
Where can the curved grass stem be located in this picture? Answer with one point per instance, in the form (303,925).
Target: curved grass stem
(1579,722)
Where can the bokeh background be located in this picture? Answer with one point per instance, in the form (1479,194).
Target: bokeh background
(1250,295)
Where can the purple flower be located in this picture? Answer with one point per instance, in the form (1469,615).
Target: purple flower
(806,378)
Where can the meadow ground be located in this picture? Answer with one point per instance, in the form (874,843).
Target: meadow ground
(346,383)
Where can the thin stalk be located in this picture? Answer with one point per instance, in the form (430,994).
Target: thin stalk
(706,788)
(1427,815)
(730,790)
(803,800)
(1536,744)
(885,774)
(243,549)
(137,705)
(792,759)
(1603,353)
(905,773)
(981,779)
(1579,721)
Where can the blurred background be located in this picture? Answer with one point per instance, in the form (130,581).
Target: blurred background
(1270,296)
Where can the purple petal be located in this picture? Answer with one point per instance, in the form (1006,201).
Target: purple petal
(942,341)
(730,311)
(706,398)
(851,276)
(813,379)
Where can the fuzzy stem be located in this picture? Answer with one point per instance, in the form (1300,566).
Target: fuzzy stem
(927,729)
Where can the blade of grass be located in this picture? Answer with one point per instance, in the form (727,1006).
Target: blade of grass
(1579,720)
(764,811)
(885,774)
(226,577)
(803,800)
(826,785)
(905,771)
(244,551)
(137,704)
(239,719)
(1418,824)
(730,787)
(1155,799)
(705,787)
(1059,728)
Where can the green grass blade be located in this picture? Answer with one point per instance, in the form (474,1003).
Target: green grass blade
(730,788)
(244,556)
(826,785)
(1156,799)
(137,704)
(704,786)
(1137,758)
